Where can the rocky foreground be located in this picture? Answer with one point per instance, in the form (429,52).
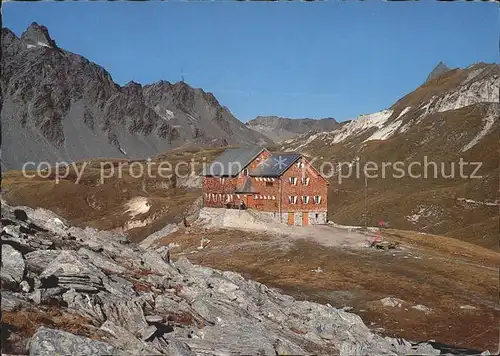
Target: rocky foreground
(128,300)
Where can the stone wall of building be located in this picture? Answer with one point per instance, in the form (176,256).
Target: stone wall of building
(314,218)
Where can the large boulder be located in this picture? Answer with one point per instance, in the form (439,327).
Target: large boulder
(72,271)
(50,342)
(12,271)
(37,261)
(11,302)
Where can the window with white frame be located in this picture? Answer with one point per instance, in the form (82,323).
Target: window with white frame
(317,199)
(292,199)
(222,180)
(305,199)
(292,180)
(305,180)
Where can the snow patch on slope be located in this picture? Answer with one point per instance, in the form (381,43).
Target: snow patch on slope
(362,123)
(389,130)
(165,114)
(39,44)
(43,44)
(406,127)
(472,74)
(488,124)
(482,91)
(352,128)
(385,132)
(137,206)
(169,113)
(403,112)
(311,139)
(478,92)
(423,211)
(475,202)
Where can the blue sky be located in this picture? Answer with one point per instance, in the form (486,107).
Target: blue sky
(325,59)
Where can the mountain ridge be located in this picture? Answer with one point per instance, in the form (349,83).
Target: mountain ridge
(59,106)
(280,128)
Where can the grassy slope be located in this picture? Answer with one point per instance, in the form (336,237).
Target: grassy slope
(395,199)
(103,205)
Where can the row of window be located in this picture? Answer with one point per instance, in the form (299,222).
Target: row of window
(293,180)
(292,199)
(221,198)
(264,197)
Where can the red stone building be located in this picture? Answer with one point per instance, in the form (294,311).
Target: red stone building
(283,185)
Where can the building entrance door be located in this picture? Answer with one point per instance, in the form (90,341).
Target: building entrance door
(305,218)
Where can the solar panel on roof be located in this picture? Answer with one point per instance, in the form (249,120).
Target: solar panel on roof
(274,165)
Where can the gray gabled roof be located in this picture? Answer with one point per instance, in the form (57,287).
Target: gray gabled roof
(275,165)
(232,161)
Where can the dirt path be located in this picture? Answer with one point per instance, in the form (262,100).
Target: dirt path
(245,220)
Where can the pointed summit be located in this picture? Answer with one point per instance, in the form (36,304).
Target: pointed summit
(439,70)
(38,35)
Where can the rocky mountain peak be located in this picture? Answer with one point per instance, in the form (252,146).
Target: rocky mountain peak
(439,70)
(162,83)
(38,35)
(132,88)
(7,33)
(182,87)
(8,39)
(45,88)
(132,84)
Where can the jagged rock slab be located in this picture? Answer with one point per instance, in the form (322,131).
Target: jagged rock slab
(11,302)
(50,342)
(71,271)
(124,339)
(12,265)
(38,260)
